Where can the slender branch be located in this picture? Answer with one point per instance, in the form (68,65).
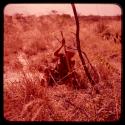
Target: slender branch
(67,60)
(79,48)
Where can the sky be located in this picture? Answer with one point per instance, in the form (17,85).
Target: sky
(83,9)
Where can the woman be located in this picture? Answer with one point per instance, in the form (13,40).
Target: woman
(64,66)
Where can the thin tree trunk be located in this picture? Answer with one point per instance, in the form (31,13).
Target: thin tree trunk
(79,48)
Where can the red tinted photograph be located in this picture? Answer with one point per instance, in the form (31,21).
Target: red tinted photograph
(62,62)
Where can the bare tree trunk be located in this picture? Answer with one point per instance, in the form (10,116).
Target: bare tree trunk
(79,48)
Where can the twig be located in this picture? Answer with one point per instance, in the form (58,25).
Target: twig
(67,60)
(52,77)
(57,39)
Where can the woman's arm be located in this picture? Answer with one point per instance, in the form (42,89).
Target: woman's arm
(56,53)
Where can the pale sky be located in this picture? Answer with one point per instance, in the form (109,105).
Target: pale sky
(83,9)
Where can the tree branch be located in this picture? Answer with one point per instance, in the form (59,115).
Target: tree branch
(79,48)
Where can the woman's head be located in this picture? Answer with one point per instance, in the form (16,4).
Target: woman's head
(70,54)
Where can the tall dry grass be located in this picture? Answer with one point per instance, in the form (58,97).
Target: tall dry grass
(27,96)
